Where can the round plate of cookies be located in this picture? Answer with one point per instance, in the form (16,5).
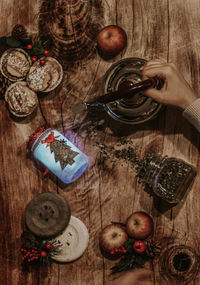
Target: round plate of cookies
(46,77)
(27,79)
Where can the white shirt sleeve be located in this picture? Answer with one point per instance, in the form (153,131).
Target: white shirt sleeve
(192,114)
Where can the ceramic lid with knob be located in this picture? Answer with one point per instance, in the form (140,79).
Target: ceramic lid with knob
(47,215)
(73,241)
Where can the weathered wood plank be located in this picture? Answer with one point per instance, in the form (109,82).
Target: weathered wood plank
(155,29)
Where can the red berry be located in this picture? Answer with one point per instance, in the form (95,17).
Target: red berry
(34,58)
(29,46)
(48,246)
(112,252)
(42,61)
(46,52)
(43,253)
(139,246)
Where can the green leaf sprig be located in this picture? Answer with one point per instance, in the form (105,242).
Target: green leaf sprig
(131,259)
(37,44)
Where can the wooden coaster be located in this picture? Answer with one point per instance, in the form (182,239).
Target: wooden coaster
(47,215)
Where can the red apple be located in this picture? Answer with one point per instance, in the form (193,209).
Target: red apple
(111,40)
(112,236)
(139,246)
(139,225)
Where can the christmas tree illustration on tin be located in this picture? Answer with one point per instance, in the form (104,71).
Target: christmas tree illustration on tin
(62,152)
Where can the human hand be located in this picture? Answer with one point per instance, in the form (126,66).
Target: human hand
(175,91)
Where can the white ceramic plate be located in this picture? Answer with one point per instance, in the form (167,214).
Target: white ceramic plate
(74,241)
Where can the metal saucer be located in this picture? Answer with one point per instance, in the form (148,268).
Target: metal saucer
(135,110)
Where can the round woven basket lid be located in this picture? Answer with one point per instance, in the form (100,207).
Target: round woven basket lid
(47,215)
(74,241)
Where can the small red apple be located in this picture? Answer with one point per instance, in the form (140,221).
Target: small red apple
(112,237)
(139,225)
(139,246)
(111,40)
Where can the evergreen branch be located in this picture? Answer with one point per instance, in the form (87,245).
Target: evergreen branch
(131,259)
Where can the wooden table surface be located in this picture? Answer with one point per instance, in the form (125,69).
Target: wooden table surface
(167,29)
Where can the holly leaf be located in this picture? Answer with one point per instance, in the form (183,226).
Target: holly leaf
(130,260)
(37,44)
(12,42)
(3,40)
(129,244)
(26,41)
(35,51)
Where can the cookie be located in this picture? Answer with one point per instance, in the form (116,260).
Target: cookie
(45,78)
(15,64)
(22,101)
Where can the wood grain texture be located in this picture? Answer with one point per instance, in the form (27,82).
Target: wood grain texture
(155,29)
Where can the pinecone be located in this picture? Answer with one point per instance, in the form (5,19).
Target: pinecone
(153,248)
(4,83)
(20,33)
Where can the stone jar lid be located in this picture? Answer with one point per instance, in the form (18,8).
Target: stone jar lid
(47,215)
(74,241)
